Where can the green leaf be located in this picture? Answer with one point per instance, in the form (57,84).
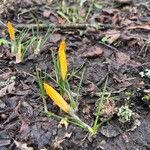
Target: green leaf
(98,6)
(104,39)
(63,15)
(3,42)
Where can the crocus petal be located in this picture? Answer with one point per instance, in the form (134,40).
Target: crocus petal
(57,98)
(11,30)
(62,59)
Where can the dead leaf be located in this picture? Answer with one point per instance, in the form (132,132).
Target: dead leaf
(58,140)
(93,52)
(19,54)
(5,142)
(22,146)
(90,88)
(109,109)
(5,75)
(112,36)
(122,58)
(8,88)
(46,13)
(67,135)
(57,143)
(87,109)
(122,80)
(110,11)
(63,122)
(124,1)
(145,27)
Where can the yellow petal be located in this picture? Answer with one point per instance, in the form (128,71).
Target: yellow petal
(57,98)
(11,30)
(62,59)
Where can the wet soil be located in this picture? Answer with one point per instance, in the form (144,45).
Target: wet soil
(121,58)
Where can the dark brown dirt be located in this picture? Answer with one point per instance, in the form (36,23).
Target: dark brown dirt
(122,58)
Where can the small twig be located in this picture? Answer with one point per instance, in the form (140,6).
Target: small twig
(109,46)
(27,11)
(64,26)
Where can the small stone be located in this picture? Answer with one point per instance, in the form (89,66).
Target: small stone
(109,131)
(2,104)
(46,13)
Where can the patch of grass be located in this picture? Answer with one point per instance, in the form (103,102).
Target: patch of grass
(77,12)
(20,42)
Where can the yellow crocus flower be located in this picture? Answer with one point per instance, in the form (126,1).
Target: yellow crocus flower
(57,98)
(11,30)
(62,59)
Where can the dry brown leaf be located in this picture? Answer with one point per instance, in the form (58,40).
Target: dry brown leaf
(46,13)
(62,123)
(110,11)
(87,109)
(10,87)
(93,52)
(145,27)
(22,146)
(122,58)
(57,143)
(4,142)
(112,36)
(5,75)
(58,140)
(19,54)
(109,109)
(124,1)
(67,135)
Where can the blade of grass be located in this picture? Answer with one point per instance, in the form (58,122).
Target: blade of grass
(99,108)
(80,84)
(73,73)
(56,68)
(27,46)
(69,92)
(41,88)
(71,120)
(64,16)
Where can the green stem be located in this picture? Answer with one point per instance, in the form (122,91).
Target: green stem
(86,126)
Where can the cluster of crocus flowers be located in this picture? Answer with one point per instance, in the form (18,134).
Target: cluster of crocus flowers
(55,96)
(51,92)
(11,31)
(63,105)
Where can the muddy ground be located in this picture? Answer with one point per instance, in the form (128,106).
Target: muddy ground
(119,50)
